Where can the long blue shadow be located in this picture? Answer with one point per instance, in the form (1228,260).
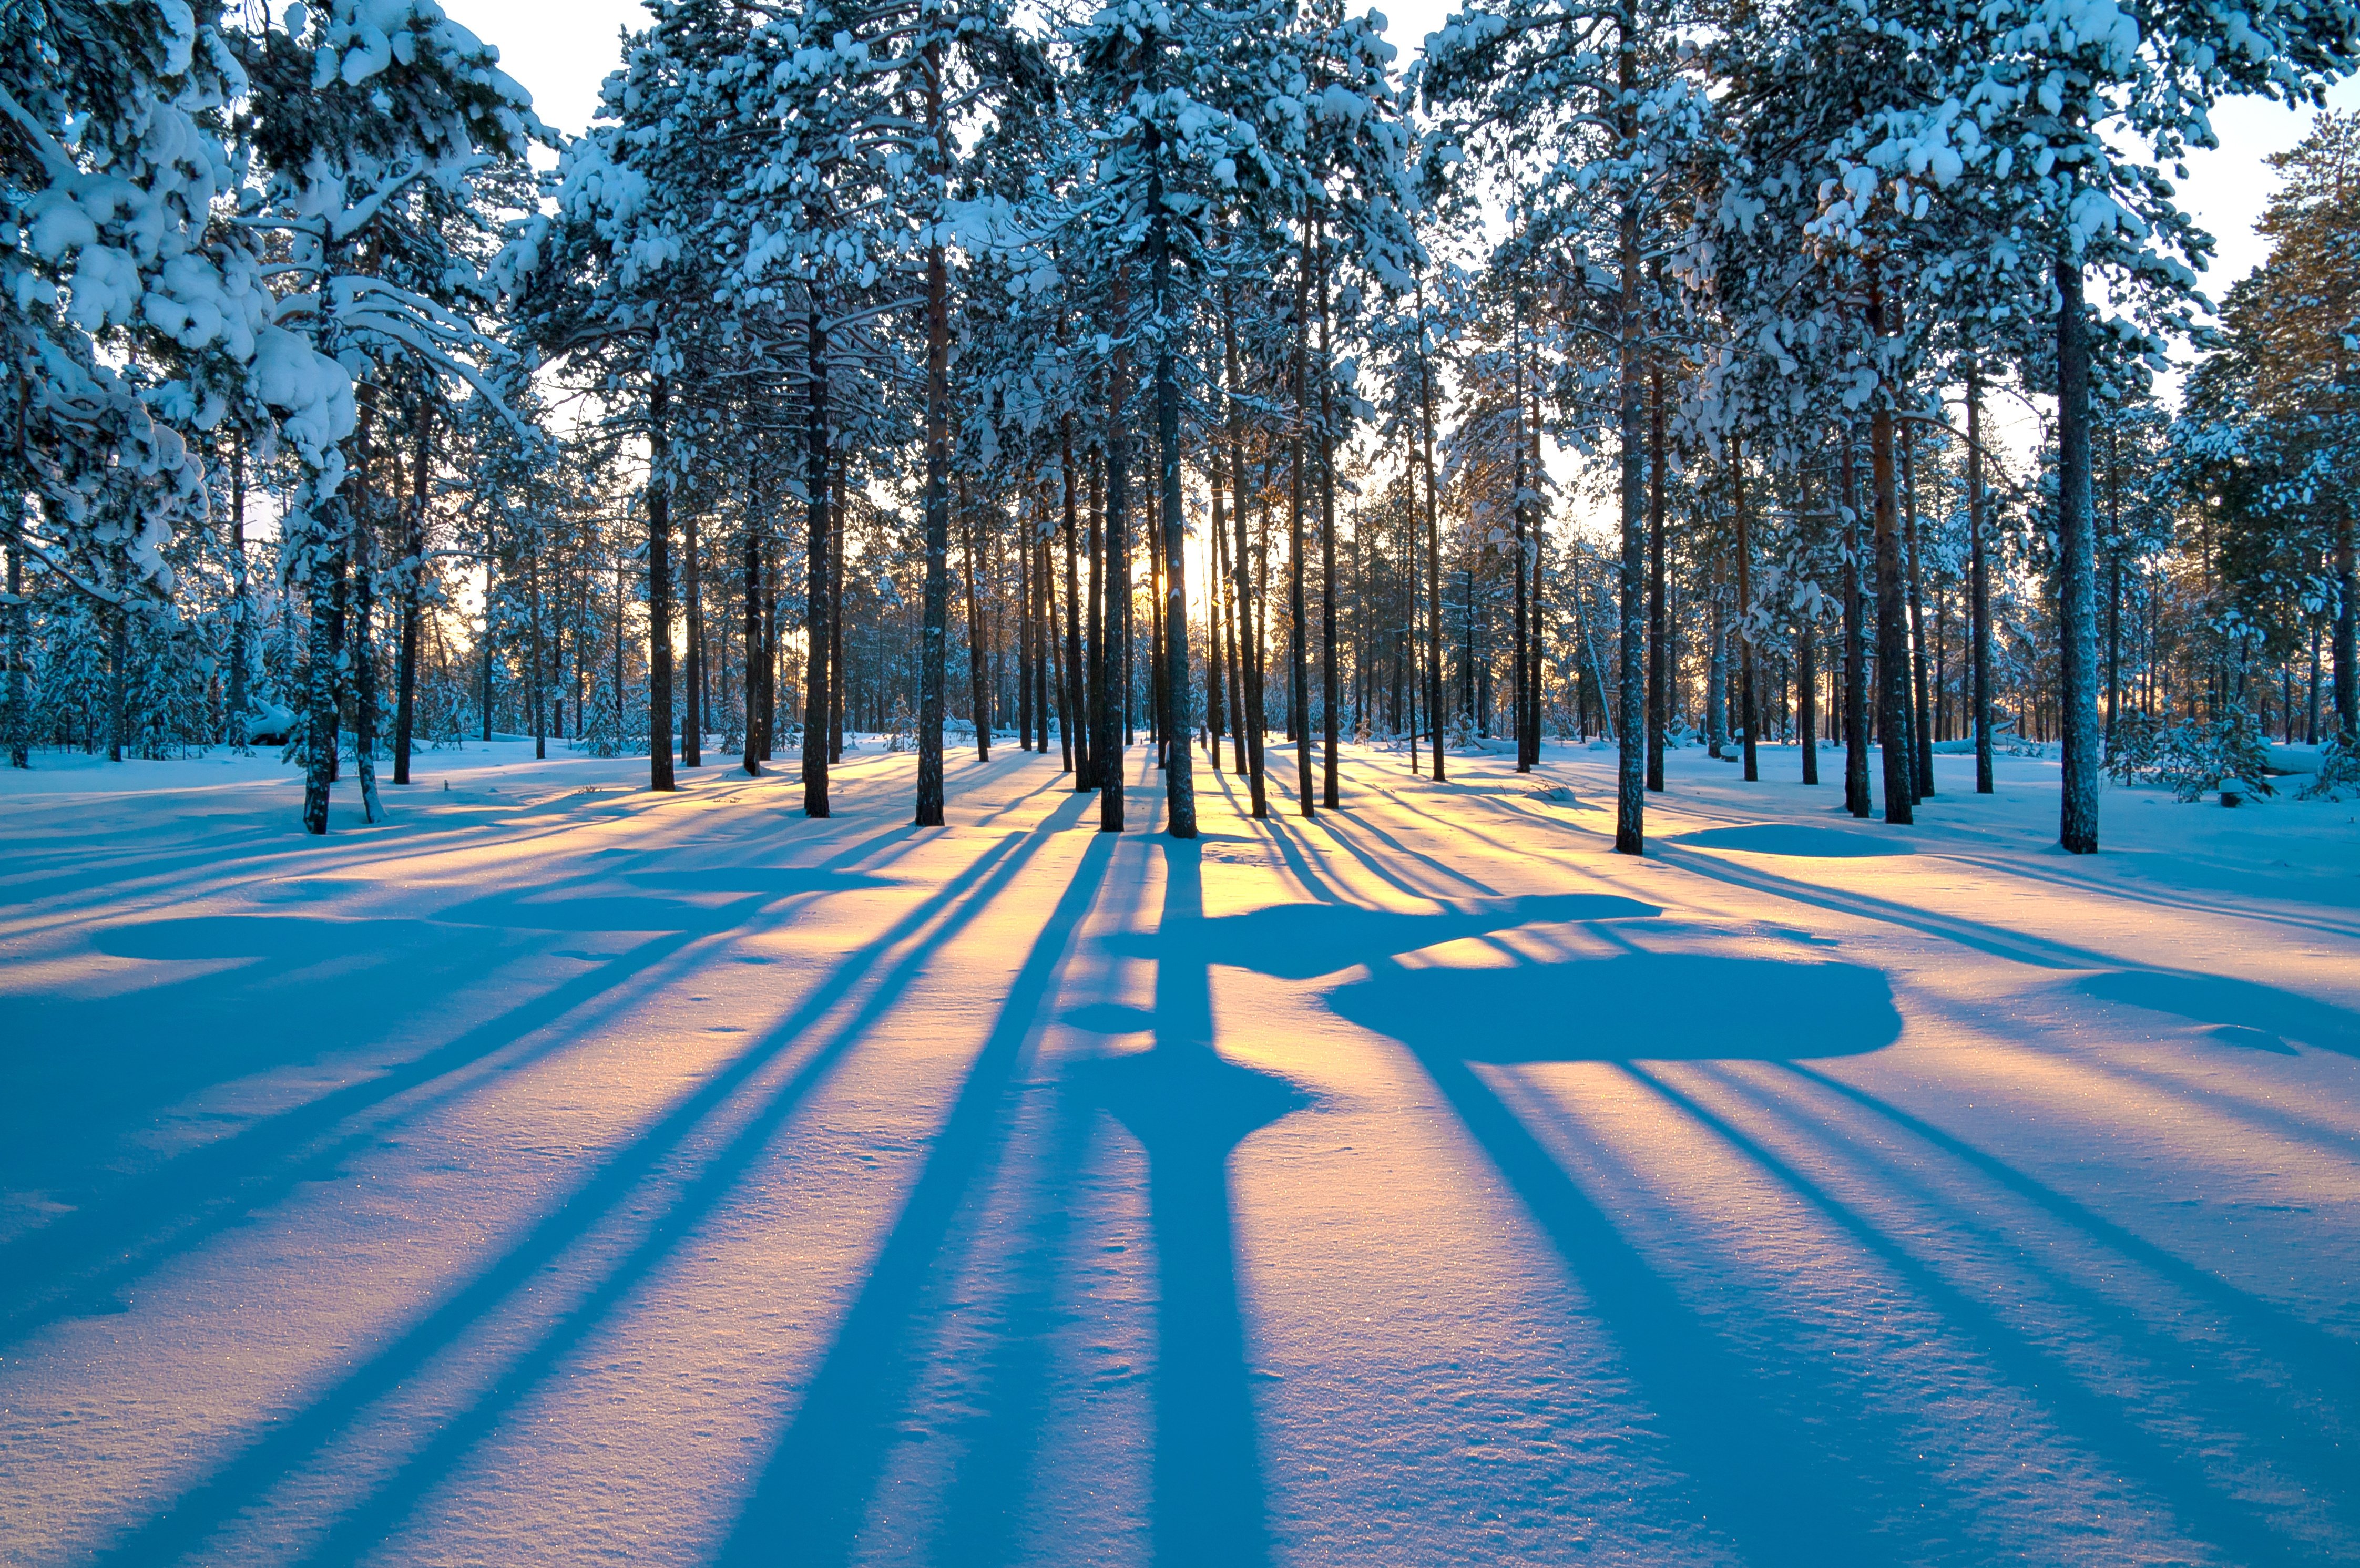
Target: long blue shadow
(1190,1108)
(813,1495)
(245,1478)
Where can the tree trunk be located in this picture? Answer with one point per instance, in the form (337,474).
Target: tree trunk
(1630,797)
(1749,713)
(2078,818)
(413,572)
(659,587)
(1658,650)
(818,614)
(757,698)
(1298,693)
(1112,739)
(1331,699)
(1892,623)
(691,707)
(1433,548)
(1979,586)
(1922,712)
(1249,641)
(1077,749)
(1179,778)
(978,680)
(934,646)
(1857,798)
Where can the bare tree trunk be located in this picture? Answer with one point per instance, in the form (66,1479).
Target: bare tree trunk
(818,614)
(1979,584)
(1630,797)
(1331,693)
(1433,548)
(1659,649)
(757,696)
(1077,748)
(1922,712)
(659,587)
(1857,799)
(1112,739)
(978,680)
(1298,694)
(1179,776)
(2077,816)
(1749,713)
(934,646)
(1249,640)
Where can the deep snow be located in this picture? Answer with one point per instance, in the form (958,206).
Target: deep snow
(561,1172)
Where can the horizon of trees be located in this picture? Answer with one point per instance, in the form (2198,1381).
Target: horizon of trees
(932,371)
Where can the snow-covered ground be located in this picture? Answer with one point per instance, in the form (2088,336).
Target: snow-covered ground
(559,1172)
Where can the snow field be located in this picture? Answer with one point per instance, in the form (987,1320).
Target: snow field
(559,1170)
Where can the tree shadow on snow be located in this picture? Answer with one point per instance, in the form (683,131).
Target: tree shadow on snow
(2243,1012)
(1657,1006)
(1799,840)
(1300,941)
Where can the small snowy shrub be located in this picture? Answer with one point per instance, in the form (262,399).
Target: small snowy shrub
(2339,771)
(901,727)
(2190,758)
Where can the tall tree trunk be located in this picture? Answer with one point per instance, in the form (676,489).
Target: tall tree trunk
(1921,726)
(1658,627)
(818,614)
(757,698)
(1330,691)
(692,708)
(413,574)
(18,717)
(1024,574)
(1631,797)
(1298,717)
(837,682)
(1857,799)
(934,645)
(1097,706)
(1979,584)
(1520,525)
(1249,640)
(658,586)
(1216,664)
(978,678)
(2078,644)
(1179,777)
(539,673)
(1113,739)
(1749,713)
(1900,767)
(1077,749)
(1433,548)
(2348,622)
(240,609)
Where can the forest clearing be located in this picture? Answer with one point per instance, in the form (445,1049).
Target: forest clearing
(560,1170)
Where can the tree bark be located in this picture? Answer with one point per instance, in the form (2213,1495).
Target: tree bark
(1658,650)
(757,675)
(978,680)
(934,646)
(1249,641)
(1748,710)
(2078,815)
(1113,739)
(1921,726)
(1179,778)
(1857,796)
(1330,692)
(818,677)
(1978,585)
(659,775)
(1631,797)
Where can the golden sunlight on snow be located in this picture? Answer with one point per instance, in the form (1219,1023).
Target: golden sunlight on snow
(561,1170)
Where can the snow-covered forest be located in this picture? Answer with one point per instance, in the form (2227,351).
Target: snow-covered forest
(961,374)
(1019,782)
